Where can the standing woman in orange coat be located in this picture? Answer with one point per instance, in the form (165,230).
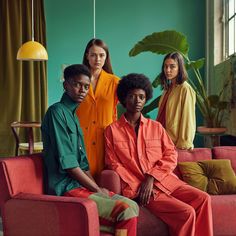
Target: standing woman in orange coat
(98,109)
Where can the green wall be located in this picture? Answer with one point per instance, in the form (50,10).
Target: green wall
(120,24)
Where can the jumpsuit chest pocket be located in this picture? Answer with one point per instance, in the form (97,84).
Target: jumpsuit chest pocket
(153,150)
(122,150)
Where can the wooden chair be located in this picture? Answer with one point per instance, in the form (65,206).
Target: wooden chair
(30,146)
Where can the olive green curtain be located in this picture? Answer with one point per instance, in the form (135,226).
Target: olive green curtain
(23,85)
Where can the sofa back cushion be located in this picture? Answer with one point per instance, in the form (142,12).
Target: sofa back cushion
(212,176)
(197,154)
(225,152)
(20,174)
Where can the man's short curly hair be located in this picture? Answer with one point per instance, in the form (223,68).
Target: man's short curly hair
(133,81)
(76,70)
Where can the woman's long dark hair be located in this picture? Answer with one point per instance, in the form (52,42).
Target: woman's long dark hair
(182,75)
(98,42)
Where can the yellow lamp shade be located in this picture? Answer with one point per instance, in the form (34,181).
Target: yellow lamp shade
(32,51)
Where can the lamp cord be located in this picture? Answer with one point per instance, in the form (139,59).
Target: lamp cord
(94,18)
(32,15)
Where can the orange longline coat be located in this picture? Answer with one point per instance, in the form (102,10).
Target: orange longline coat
(95,113)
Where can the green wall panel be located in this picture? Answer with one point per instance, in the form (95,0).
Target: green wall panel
(120,24)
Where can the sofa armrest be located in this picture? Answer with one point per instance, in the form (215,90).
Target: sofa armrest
(42,215)
(111,180)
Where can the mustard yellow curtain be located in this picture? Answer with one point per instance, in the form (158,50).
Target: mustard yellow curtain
(23,85)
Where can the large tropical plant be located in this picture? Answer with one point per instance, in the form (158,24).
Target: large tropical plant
(211,107)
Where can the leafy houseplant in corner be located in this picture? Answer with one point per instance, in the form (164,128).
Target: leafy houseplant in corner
(212,108)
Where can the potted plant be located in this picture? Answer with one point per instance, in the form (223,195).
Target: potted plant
(212,108)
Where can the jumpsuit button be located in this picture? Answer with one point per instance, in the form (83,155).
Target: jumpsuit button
(93,143)
(80,147)
(94,122)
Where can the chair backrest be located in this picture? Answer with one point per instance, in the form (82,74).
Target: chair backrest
(20,174)
(16,125)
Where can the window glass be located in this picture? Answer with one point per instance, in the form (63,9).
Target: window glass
(234,34)
(231,37)
(231,8)
(230,27)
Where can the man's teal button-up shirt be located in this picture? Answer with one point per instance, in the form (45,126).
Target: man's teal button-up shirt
(63,146)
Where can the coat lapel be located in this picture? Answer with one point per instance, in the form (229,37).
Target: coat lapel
(101,86)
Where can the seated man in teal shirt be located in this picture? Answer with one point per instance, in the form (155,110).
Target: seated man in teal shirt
(65,161)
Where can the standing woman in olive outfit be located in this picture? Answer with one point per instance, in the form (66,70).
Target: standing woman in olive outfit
(98,110)
(177,104)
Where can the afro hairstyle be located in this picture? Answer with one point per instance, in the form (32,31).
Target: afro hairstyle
(133,81)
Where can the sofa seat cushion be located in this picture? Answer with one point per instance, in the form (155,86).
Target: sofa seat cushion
(224,214)
(149,224)
(212,176)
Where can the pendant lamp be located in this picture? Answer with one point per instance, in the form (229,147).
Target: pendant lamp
(32,50)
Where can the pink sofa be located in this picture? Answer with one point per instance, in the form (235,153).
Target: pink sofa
(223,206)
(27,211)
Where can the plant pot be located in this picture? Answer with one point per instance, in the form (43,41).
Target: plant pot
(215,130)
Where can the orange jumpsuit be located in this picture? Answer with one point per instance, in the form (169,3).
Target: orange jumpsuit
(95,113)
(185,209)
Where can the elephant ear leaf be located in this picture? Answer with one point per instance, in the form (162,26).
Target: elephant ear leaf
(195,64)
(162,43)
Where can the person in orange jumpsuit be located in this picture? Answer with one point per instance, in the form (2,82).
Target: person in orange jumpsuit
(98,109)
(144,156)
